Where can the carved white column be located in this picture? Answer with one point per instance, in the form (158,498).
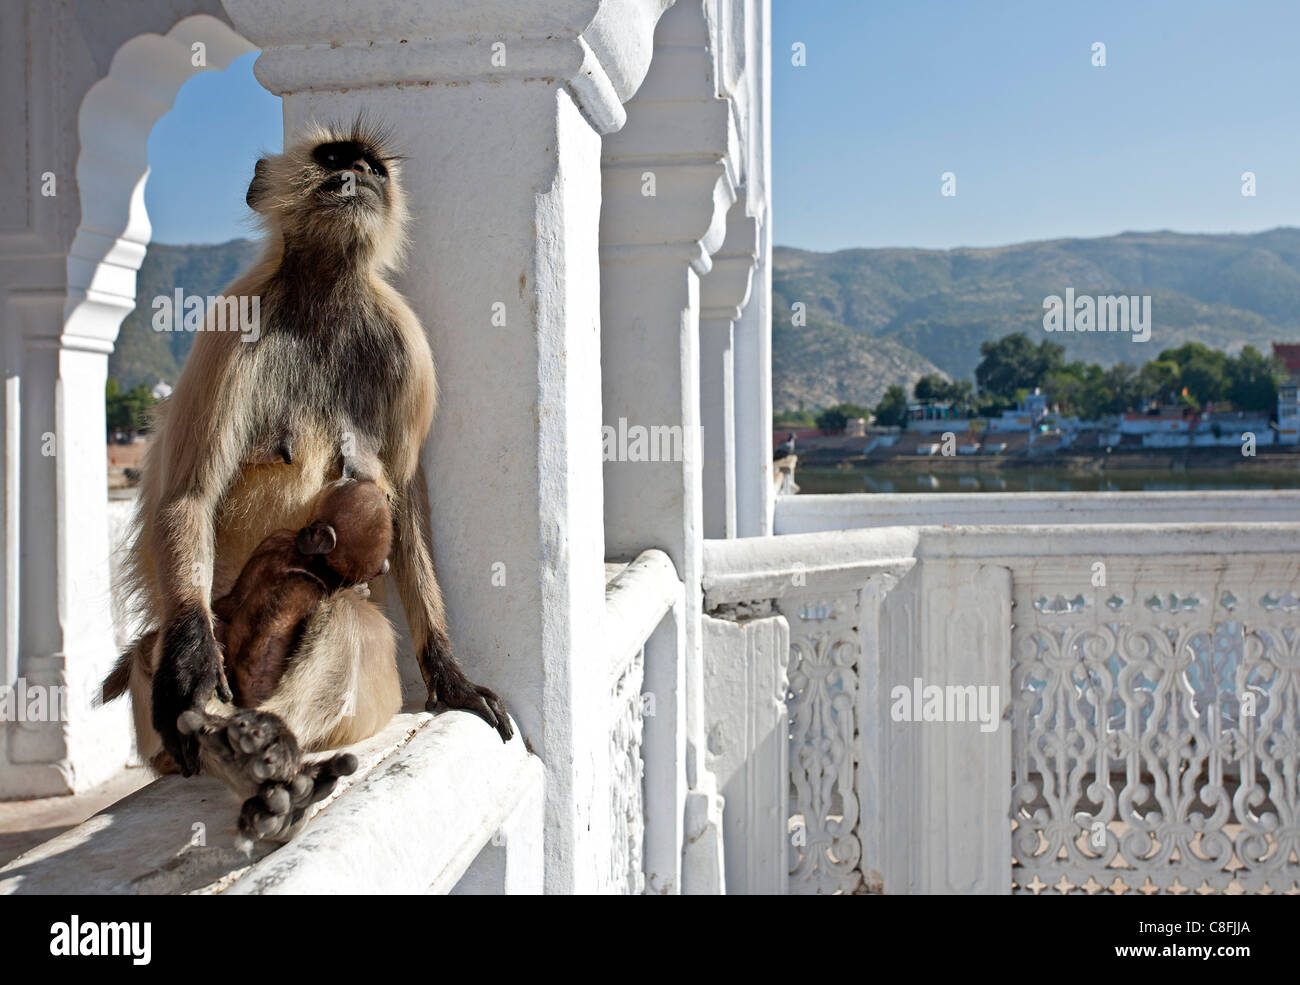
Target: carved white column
(83,89)
(498,107)
(723,293)
(752,333)
(668,180)
(935,793)
(746,665)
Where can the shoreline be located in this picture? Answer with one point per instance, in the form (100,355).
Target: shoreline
(1120,460)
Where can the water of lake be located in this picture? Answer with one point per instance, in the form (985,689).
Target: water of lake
(1044,479)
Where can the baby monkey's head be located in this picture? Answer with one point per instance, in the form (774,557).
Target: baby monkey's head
(335,188)
(352,531)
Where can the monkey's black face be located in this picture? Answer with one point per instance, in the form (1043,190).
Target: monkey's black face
(355,173)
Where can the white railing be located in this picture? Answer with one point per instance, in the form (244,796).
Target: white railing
(808,514)
(643,613)
(1184,635)
(1156,718)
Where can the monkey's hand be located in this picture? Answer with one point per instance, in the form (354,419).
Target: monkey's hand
(279,810)
(188,674)
(449,685)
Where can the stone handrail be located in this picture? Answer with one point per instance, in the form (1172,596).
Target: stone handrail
(439,805)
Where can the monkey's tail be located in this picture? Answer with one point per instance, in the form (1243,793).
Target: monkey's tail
(119,678)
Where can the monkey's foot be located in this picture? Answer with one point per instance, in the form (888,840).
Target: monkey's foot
(482,701)
(279,810)
(246,750)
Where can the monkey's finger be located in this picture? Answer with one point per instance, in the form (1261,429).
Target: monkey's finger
(344,764)
(184,751)
(257,821)
(327,773)
(276,798)
(223,689)
(496,713)
(483,702)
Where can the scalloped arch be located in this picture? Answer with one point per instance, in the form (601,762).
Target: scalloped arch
(113,126)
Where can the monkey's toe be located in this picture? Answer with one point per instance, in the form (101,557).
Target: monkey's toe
(279,811)
(258,821)
(265,745)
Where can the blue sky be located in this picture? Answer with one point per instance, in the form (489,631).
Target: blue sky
(1043,144)
(1003,94)
(201,156)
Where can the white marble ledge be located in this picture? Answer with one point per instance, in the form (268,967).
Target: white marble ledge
(429,793)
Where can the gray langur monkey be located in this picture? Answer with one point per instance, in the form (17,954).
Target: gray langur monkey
(336,380)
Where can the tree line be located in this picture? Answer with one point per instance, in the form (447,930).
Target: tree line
(1193,375)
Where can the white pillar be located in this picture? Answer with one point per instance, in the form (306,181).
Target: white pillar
(498,108)
(752,346)
(72,236)
(669,179)
(723,293)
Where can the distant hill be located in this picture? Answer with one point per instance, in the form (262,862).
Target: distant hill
(877,317)
(145,356)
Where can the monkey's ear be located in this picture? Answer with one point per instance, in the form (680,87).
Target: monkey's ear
(317,537)
(259,186)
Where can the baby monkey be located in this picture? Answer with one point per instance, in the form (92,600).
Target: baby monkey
(261,620)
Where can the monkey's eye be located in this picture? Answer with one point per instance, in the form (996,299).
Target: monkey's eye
(334,157)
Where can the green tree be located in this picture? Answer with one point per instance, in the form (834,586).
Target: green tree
(793,418)
(931,386)
(832,419)
(127,410)
(959,394)
(1252,381)
(1014,363)
(1160,379)
(892,409)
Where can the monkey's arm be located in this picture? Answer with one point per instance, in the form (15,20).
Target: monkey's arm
(422,600)
(201,443)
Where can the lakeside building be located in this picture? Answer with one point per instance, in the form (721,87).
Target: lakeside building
(1050,431)
(1288,394)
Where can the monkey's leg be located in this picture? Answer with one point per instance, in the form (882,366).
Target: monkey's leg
(422,599)
(198,461)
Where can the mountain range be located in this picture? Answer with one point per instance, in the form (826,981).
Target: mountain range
(872,318)
(882,316)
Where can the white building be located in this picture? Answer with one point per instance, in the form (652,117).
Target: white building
(1288,414)
(708,676)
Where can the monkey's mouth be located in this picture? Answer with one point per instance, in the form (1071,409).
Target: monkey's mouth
(352,185)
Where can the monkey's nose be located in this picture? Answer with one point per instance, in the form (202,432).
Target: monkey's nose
(362,165)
